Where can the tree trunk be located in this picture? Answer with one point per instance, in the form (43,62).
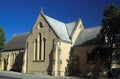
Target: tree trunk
(110,66)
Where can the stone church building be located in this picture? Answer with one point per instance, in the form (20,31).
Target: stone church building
(46,49)
(49,44)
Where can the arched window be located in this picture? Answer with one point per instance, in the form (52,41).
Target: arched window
(35,50)
(44,48)
(40,46)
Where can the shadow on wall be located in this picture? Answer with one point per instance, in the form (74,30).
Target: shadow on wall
(93,67)
(49,69)
(74,65)
(5,63)
(69,68)
(17,66)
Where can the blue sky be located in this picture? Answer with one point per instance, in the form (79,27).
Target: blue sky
(19,16)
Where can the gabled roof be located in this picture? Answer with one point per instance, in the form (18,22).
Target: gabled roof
(88,36)
(16,42)
(58,27)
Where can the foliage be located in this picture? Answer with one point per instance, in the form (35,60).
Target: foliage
(2,38)
(111,18)
(109,32)
(110,36)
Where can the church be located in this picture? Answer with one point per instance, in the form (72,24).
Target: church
(47,48)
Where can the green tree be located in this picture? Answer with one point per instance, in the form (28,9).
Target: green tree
(2,38)
(110,32)
(111,18)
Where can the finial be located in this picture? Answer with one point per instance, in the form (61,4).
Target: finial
(41,10)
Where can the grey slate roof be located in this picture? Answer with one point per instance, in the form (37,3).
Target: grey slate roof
(16,42)
(64,31)
(59,28)
(70,27)
(88,36)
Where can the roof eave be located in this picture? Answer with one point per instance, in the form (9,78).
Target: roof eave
(65,41)
(13,49)
(85,45)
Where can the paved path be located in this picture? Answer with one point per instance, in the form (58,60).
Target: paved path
(15,75)
(6,77)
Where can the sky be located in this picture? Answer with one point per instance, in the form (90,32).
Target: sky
(19,16)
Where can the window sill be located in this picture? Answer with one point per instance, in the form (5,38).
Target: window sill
(38,60)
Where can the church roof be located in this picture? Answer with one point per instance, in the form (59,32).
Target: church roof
(18,41)
(64,31)
(70,27)
(88,36)
(59,28)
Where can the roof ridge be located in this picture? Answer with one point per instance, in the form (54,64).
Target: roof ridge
(54,19)
(23,33)
(70,22)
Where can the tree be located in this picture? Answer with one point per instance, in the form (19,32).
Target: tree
(2,38)
(109,33)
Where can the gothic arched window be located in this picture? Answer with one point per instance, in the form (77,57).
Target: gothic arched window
(35,50)
(40,45)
